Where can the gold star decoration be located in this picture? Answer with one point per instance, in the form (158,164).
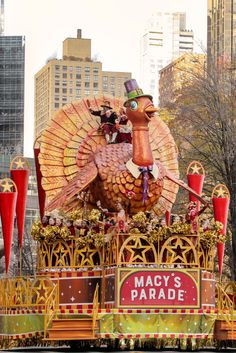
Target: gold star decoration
(7,185)
(138,251)
(41,289)
(86,255)
(61,255)
(178,251)
(19,163)
(195,168)
(220,191)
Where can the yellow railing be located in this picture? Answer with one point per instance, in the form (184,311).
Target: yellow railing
(225,306)
(122,249)
(19,292)
(51,308)
(95,307)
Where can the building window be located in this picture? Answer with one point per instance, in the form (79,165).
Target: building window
(104,78)
(64,75)
(78,91)
(57,83)
(87,78)
(78,69)
(78,84)
(87,69)
(57,90)
(95,70)
(86,84)
(87,93)
(95,78)
(95,93)
(64,90)
(57,67)
(64,68)
(56,105)
(95,84)
(78,76)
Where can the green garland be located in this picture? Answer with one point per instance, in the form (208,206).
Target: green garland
(139,224)
(49,233)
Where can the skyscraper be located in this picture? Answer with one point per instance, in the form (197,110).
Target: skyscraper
(221,32)
(74,77)
(12,68)
(164,40)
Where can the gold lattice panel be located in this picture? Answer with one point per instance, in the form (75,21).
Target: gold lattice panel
(61,254)
(137,249)
(87,257)
(179,250)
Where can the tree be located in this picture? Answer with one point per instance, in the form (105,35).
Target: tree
(205,130)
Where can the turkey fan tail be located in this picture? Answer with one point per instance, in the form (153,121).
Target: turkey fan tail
(74,187)
(69,143)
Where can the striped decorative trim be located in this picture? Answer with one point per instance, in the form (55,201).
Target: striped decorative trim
(159,311)
(155,335)
(70,309)
(70,274)
(22,335)
(22,312)
(141,311)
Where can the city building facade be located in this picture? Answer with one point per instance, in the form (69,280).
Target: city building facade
(221,32)
(165,39)
(71,78)
(178,73)
(12,72)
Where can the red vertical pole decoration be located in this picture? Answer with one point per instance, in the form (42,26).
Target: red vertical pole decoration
(41,192)
(168,218)
(220,201)
(8,197)
(20,169)
(195,177)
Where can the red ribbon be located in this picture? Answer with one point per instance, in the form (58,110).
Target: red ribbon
(7,211)
(221,207)
(20,178)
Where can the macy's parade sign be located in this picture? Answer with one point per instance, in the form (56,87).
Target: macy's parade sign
(158,288)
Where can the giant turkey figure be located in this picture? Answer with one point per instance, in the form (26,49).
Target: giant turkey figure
(74,158)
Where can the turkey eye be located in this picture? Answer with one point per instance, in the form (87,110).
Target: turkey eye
(133,105)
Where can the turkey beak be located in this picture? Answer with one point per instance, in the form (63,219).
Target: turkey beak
(150,111)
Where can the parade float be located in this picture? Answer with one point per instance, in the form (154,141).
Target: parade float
(114,267)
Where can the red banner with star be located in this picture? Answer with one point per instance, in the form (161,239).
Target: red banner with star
(20,176)
(195,177)
(8,197)
(220,201)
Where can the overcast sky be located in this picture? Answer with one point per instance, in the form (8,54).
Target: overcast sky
(115,27)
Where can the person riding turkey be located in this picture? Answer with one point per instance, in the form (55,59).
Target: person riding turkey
(108,121)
